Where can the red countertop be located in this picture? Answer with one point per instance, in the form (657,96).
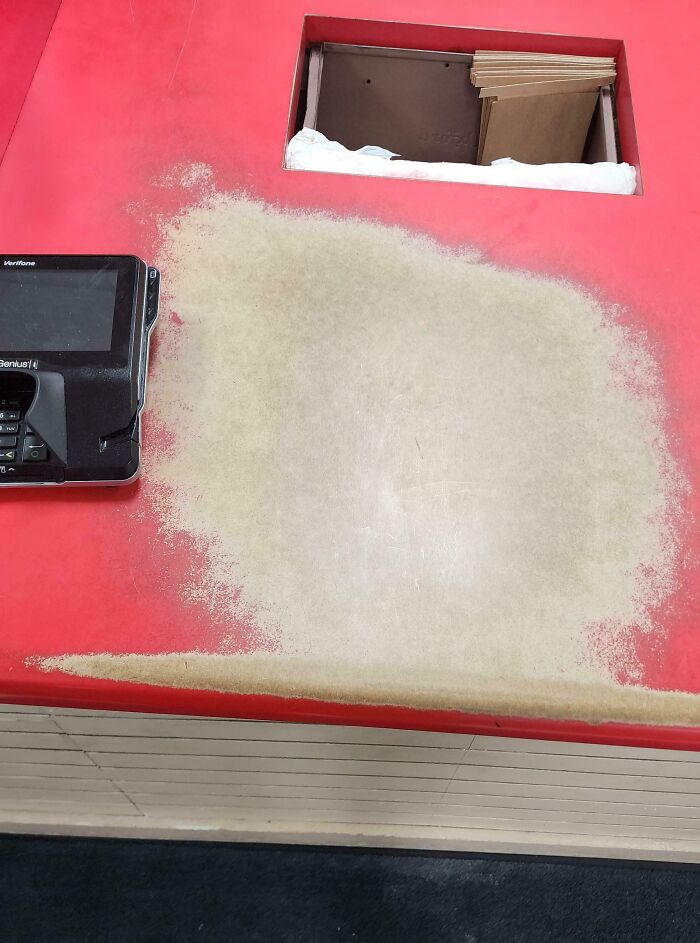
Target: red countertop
(125,89)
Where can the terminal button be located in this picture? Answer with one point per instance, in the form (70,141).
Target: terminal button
(34,453)
(7,455)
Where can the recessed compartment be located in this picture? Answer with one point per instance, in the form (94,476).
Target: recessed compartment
(420,104)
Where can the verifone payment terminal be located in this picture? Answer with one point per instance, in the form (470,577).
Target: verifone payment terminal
(74,336)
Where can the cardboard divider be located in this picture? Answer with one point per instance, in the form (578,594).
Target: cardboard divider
(418,104)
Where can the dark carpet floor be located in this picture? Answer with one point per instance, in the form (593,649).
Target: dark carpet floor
(78,890)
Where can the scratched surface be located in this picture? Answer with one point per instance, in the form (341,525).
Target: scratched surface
(185,83)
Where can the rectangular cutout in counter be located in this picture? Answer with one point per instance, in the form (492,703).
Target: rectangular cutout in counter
(372,83)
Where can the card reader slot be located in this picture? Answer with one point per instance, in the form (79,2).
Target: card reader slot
(130,431)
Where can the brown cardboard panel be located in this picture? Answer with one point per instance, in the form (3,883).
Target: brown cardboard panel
(486,54)
(485,115)
(541,64)
(541,105)
(534,65)
(422,106)
(545,88)
(513,77)
(539,129)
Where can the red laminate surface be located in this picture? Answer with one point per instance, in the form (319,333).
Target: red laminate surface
(127,88)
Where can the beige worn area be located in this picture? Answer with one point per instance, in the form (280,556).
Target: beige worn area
(423,479)
(298,676)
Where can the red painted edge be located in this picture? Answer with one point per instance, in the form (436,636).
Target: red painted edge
(143,698)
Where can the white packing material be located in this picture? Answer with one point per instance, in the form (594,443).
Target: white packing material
(311,150)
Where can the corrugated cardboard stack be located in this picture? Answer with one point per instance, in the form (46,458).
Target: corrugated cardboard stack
(537,107)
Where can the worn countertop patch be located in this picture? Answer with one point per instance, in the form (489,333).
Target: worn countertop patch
(564,698)
(431,481)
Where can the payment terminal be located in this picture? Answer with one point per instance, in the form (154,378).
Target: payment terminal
(74,338)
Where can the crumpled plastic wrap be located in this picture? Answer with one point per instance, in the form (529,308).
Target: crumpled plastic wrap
(311,150)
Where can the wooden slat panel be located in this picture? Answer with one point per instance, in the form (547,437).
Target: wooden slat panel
(426,771)
(224,793)
(53,770)
(508,745)
(137,726)
(541,786)
(216,773)
(9,797)
(587,764)
(23,709)
(143,775)
(219,783)
(274,764)
(53,782)
(619,806)
(281,805)
(577,793)
(28,723)
(62,756)
(129,715)
(193,782)
(155,746)
(18,740)
(70,806)
(547,777)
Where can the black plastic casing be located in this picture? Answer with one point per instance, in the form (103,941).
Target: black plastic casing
(86,405)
